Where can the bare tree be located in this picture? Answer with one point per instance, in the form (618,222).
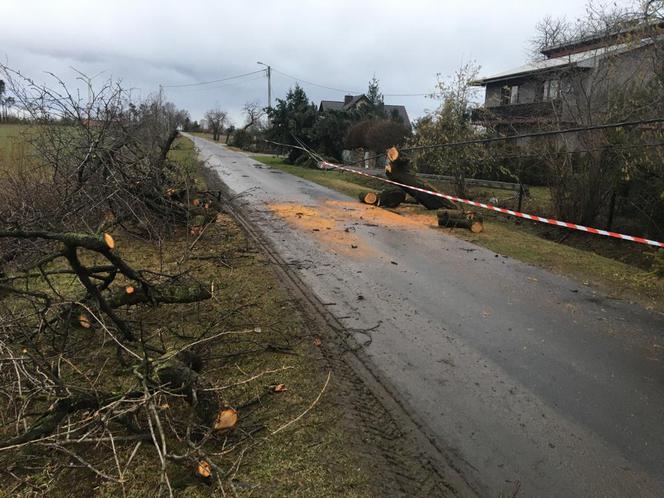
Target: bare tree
(217,120)
(550,31)
(253,112)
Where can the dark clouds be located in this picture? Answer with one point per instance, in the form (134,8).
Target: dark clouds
(339,43)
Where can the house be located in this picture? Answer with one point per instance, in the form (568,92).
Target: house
(352,102)
(572,84)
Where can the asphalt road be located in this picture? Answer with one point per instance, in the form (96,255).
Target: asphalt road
(532,381)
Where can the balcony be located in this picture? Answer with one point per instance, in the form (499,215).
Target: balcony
(528,113)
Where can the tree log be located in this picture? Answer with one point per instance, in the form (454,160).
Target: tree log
(457,219)
(391,198)
(368,197)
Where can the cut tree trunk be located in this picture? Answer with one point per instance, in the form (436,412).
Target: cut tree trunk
(368,197)
(391,198)
(399,171)
(450,218)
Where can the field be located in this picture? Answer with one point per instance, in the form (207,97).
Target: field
(616,267)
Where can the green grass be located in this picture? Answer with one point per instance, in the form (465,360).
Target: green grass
(347,183)
(524,241)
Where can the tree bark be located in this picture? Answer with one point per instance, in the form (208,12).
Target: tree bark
(391,198)
(457,219)
(178,377)
(168,294)
(399,171)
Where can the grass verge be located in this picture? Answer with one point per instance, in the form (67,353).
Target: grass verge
(527,242)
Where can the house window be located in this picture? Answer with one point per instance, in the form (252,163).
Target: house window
(509,95)
(514,95)
(551,90)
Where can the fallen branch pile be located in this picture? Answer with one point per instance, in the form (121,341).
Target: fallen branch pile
(80,370)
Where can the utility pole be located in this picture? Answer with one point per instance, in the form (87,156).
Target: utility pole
(269,84)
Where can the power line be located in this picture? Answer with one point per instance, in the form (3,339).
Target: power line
(314,84)
(612,147)
(537,134)
(199,83)
(354,92)
(224,84)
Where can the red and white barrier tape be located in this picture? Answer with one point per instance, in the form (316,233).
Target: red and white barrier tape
(550,221)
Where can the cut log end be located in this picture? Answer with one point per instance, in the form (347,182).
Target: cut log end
(84,322)
(476,226)
(108,239)
(392,154)
(369,197)
(203,469)
(130,289)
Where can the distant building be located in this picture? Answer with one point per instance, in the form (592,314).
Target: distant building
(572,84)
(351,102)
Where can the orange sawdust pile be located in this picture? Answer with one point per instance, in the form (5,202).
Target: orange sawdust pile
(329,223)
(402,217)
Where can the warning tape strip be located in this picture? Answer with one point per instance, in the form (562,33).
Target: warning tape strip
(550,221)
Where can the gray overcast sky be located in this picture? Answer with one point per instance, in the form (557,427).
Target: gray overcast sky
(339,43)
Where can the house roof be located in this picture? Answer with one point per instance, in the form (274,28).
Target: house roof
(337,105)
(331,105)
(633,27)
(400,110)
(587,59)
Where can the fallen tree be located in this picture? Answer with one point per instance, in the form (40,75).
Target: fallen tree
(399,170)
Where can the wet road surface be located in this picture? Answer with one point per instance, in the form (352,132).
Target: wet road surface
(531,381)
